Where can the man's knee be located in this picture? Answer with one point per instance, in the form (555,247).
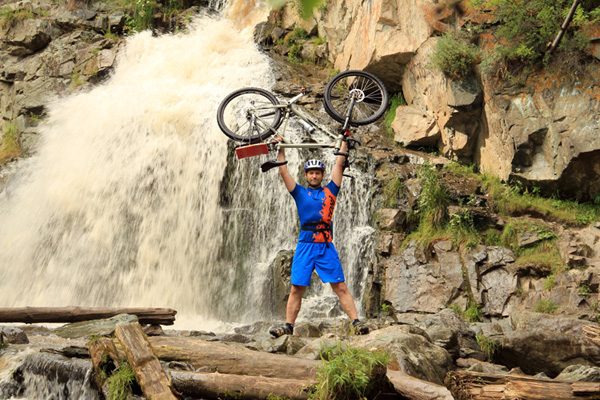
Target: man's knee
(340,288)
(297,290)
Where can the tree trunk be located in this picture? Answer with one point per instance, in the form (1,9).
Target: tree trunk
(466,385)
(417,389)
(227,359)
(220,386)
(151,377)
(30,315)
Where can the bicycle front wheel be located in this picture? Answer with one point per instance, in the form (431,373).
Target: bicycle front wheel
(249,115)
(371,98)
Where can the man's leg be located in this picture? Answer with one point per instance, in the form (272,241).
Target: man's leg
(347,302)
(346,299)
(294,303)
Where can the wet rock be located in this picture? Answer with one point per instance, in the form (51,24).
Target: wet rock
(100,327)
(13,335)
(580,373)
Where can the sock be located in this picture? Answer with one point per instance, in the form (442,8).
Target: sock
(356,321)
(291,326)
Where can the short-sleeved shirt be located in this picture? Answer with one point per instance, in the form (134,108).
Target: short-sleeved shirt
(315,206)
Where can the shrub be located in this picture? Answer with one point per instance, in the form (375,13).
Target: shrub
(527,26)
(348,375)
(473,312)
(434,200)
(546,307)
(10,147)
(120,383)
(455,55)
(392,192)
(488,346)
(8,16)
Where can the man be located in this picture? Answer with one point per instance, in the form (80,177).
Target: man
(315,249)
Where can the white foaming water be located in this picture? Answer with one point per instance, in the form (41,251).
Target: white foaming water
(121,205)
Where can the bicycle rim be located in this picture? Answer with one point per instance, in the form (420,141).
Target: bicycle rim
(247,115)
(370,95)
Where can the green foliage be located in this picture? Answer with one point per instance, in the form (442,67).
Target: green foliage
(526,27)
(295,41)
(392,192)
(546,307)
(348,375)
(473,312)
(462,227)
(10,147)
(584,290)
(120,383)
(303,7)
(434,200)
(9,17)
(550,281)
(395,101)
(455,55)
(456,308)
(488,346)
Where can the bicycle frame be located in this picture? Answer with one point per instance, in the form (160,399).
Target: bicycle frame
(306,120)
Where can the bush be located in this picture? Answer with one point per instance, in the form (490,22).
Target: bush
(8,16)
(348,375)
(455,55)
(434,200)
(527,26)
(546,307)
(488,346)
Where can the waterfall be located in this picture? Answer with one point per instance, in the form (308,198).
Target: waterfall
(123,203)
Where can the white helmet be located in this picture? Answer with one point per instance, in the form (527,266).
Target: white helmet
(314,164)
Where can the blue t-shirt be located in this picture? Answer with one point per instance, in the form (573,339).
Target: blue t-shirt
(315,205)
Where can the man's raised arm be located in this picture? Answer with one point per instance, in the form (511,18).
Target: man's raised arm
(338,169)
(289,181)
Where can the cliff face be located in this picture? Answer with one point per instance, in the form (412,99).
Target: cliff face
(541,128)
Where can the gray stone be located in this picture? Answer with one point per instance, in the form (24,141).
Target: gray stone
(410,353)
(580,373)
(100,327)
(13,335)
(317,349)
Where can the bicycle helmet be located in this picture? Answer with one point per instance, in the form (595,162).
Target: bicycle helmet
(314,164)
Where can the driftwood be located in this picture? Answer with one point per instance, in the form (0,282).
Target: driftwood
(466,385)
(105,359)
(149,374)
(30,315)
(227,359)
(417,389)
(220,386)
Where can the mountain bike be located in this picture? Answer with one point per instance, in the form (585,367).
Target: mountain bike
(252,115)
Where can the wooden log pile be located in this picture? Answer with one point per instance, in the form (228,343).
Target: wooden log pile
(467,385)
(31,315)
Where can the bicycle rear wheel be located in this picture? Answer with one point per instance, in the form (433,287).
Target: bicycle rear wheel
(369,92)
(249,115)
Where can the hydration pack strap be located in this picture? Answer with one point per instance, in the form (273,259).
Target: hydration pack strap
(312,227)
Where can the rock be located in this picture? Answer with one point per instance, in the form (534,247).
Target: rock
(488,368)
(306,330)
(413,127)
(316,349)
(450,319)
(391,219)
(445,338)
(439,279)
(100,327)
(294,344)
(580,373)
(280,269)
(236,338)
(545,351)
(153,330)
(13,335)
(410,353)
(532,321)
(528,239)
(27,37)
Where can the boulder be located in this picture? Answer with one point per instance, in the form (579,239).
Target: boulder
(391,219)
(580,373)
(449,319)
(99,327)
(414,127)
(411,353)
(13,335)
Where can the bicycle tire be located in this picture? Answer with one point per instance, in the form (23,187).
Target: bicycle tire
(372,97)
(235,113)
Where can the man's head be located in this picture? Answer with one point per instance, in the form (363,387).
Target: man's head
(313,172)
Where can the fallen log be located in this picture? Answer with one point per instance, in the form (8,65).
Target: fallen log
(220,386)
(417,389)
(105,359)
(149,374)
(228,359)
(31,315)
(467,385)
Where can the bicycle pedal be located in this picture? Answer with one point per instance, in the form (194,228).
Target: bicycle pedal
(271,164)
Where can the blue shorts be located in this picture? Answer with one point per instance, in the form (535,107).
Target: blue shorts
(311,256)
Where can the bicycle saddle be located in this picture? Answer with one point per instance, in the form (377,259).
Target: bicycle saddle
(271,164)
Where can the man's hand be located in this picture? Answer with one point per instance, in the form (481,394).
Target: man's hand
(288,180)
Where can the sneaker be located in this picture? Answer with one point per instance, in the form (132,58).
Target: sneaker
(287,329)
(359,329)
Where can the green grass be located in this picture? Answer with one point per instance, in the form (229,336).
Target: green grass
(349,374)
(546,307)
(455,55)
(473,312)
(392,192)
(8,16)
(488,346)
(395,101)
(10,147)
(120,382)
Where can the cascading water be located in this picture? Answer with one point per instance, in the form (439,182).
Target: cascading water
(124,203)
